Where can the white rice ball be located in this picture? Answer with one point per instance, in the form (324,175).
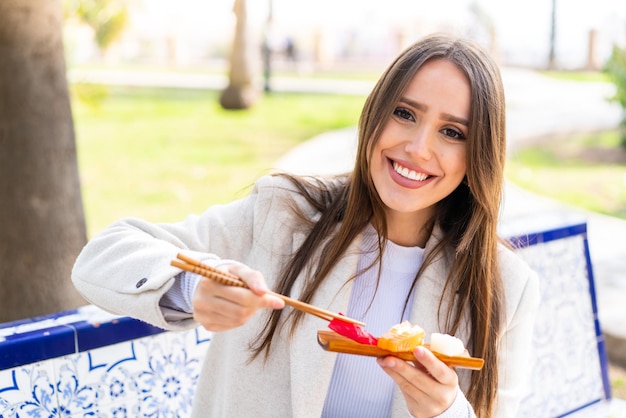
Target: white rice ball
(446,344)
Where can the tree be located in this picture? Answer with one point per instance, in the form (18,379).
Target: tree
(240,93)
(552,52)
(107,18)
(616,69)
(485,23)
(42,226)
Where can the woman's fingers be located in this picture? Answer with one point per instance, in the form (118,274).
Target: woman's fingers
(440,371)
(429,386)
(220,307)
(256,283)
(252,278)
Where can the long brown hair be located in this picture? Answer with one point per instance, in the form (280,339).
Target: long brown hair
(468,216)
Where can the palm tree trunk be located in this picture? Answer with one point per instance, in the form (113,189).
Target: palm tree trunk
(240,93)
(42,225)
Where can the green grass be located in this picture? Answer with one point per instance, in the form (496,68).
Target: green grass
(588,171)
(161,154)
(618,381)
(583,76)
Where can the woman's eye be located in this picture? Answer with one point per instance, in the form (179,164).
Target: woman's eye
(453,133)
(403,113)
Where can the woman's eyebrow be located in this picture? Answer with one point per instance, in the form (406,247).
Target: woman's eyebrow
(445,116)
(456,119)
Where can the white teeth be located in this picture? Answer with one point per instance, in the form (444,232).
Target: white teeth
(409,174)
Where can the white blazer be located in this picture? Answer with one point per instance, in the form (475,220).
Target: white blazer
(126,270)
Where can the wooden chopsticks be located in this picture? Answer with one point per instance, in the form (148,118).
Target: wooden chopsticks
(195,266)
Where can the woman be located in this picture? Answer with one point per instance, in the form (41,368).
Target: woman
(409,234)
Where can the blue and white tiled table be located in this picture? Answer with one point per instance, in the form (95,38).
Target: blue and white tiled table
(90,363)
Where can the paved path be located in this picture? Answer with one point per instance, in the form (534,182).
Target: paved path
(214,81)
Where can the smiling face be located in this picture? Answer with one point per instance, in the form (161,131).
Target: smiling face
(420,157)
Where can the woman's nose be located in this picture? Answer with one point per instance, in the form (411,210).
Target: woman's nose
(420,144)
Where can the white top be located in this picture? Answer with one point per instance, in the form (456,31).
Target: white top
(359,387)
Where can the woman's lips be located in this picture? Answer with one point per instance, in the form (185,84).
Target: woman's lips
(410,174)
(406,177)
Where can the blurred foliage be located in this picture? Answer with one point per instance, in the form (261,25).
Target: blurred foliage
(92,95)
(585,170)
(107,18)
(616,69)
(578,76)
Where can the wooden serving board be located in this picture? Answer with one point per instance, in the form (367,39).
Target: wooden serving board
(331,341)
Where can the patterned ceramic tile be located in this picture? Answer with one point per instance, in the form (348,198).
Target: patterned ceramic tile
(30,390)
(148,377)
(568,371)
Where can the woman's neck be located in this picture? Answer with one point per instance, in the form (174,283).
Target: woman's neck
(408,230)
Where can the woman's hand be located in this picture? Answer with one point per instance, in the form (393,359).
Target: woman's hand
(429,387)
(219,307)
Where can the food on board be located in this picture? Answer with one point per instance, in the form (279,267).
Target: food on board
(402,337)
(446,344)
(353,331)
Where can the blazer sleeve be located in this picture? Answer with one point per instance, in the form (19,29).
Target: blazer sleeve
(126,268)
(522,300)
